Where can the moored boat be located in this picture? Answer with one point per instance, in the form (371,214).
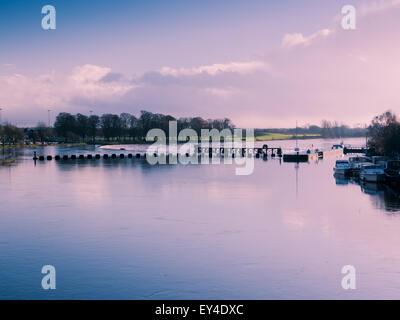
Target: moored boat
(342,167)
(356,163)
(372,173)
(392,172)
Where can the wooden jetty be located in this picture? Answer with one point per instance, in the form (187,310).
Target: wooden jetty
(263,152)
(312,156)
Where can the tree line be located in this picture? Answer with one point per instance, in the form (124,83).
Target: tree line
(10,134)
(126,127)
(327,129)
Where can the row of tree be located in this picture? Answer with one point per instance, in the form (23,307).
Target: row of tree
(126,126)
(327,129)
(11,134)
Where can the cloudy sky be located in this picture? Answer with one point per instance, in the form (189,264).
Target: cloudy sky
(261,63)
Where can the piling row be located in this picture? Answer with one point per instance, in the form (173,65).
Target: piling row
(257,152)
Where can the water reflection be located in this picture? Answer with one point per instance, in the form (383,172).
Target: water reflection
(383,196)
(124,229)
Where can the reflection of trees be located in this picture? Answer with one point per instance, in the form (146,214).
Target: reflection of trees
(382,196)
(389,200)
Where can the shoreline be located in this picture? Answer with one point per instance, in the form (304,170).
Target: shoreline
(34,146)
(104,143)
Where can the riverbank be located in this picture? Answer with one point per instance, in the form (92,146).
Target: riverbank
(29,146)
(6,162)
(283,136)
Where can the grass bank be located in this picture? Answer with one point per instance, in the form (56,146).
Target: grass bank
(37,145)
(268,136)
(6,162)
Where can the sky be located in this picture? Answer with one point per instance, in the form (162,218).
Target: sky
(260,63)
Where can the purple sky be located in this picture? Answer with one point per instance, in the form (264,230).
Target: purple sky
(261,63)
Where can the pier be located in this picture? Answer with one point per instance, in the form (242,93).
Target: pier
(263,152)
(348,150)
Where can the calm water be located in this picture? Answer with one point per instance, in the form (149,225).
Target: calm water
(123,229)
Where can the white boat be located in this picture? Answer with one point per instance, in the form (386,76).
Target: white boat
(342,167)
(372,173)
(356,163)
(338,146)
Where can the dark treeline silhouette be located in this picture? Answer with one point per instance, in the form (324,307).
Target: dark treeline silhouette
(384,134)
(126,127)
(327,129)
(10,134)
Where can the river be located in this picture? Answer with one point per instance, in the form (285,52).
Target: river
(124,229)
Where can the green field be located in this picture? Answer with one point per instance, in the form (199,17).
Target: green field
(267,136)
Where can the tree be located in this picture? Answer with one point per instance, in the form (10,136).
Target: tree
(384,134)
(11,134)
(93,125)
(197,124)
(82,125)
(111,125)
(65,124)
(106,125)
(43,132)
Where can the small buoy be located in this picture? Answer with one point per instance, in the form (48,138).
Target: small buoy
(65,157)
(81,156)
(89,156)
(41,158)
(122,156)
(73,157)
(187,154)
(97,156)
(49,157)
(105,156)
(129,155)
(57,157)
(138,155)
(113,156)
